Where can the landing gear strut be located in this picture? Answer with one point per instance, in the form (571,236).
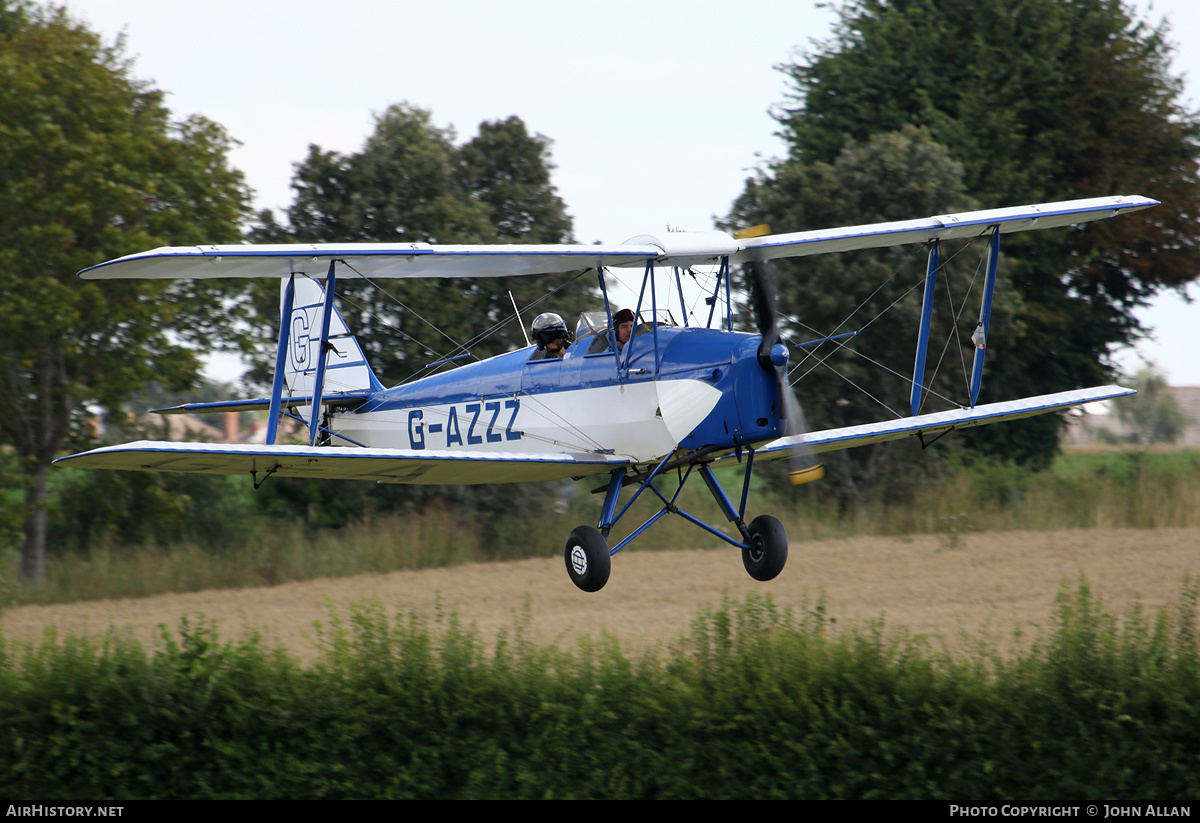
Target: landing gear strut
(764,542)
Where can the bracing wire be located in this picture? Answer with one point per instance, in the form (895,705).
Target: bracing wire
(844,345)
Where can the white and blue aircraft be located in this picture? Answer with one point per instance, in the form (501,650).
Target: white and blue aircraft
(678,398)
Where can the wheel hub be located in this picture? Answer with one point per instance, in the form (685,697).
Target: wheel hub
(756,549)
(579,560)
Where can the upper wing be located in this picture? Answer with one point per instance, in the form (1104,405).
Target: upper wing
(425,467)
(946,227)
(683,249)
(933,424)
(370,260)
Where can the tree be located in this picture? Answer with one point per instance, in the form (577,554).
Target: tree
(1041,100)
(508,171)
(410,183)
(91,168)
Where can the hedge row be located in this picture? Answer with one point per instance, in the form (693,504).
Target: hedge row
(756,702)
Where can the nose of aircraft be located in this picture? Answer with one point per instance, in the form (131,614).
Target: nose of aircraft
(779,355)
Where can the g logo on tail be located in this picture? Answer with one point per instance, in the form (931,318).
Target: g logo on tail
(300,341)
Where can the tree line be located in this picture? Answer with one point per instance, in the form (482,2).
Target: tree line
(911,108)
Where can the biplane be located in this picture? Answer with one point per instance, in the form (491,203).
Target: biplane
(679,398)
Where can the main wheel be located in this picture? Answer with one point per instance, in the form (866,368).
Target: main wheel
(765,558)
(588,561)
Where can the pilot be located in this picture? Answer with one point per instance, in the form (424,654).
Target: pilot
(551,335)
(623,321)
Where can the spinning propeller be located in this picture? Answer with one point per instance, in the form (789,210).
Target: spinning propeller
(773,357)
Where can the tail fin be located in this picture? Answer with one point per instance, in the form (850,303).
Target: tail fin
(345,370)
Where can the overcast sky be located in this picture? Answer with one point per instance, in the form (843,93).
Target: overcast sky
(658,110)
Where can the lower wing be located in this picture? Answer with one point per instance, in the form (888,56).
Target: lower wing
(933,424)
(424,467)
(429,467)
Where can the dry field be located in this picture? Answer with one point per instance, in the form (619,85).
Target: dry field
(996,584)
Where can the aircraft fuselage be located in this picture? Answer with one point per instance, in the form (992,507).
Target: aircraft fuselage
(710,391)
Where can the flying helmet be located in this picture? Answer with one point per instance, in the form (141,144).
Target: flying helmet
(548,327)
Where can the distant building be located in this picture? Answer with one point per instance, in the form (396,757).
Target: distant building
(1187,399)
(1103,425)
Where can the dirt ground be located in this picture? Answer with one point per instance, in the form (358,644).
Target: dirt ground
(930,585)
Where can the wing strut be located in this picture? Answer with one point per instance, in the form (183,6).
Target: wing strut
(647,278)
(728,296)
(285,319)
(653,315)
(314,428)
(979,338)
(612,329)
(715,298)
(918,381)
(683,312)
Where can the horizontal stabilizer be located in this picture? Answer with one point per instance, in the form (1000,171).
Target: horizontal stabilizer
(928,425)
(350,399)
(423,467)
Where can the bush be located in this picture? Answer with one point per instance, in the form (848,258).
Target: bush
(755,702)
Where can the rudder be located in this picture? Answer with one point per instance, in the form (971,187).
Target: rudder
(346,368)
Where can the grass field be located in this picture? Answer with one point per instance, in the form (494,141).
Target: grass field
(955,589)
(229,546)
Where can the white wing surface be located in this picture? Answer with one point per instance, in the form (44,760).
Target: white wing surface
(946,227)
(368,260)
(424,467)
(683,249)
(928,425)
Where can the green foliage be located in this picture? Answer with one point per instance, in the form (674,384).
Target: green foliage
(1110,490)
(1047,100)
(11,498)
(756,702)
(93,168)
(508,171)
(94,510)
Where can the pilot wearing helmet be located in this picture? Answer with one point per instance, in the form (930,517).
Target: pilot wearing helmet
(551,335)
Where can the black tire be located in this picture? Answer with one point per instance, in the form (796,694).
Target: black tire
(768,553)
(588,561)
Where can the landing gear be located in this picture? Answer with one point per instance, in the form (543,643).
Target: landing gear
(763,542)
(765,557)
(588,561)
